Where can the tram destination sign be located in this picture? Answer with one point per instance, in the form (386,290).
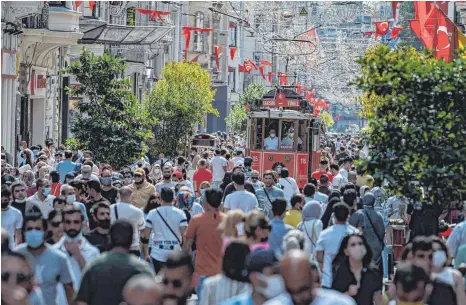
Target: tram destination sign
(281,103)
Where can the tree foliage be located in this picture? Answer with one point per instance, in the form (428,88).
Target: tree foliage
(327,119)
(110,120)
(182,98)
(237,115)
(418,134)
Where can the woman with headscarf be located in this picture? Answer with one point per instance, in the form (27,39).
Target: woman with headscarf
(156,173)
(311,225)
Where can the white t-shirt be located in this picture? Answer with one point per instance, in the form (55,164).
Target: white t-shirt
(162,184)
(130,213)
(164,241)
(237,159)
(12,220)
(242,200)
(218,163)
(45,206)
(329,241)
(290,187)
(271,143)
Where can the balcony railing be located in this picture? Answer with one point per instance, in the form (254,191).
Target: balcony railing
(53,18)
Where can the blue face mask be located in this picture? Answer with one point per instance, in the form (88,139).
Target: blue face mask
(46,191)
(34,238)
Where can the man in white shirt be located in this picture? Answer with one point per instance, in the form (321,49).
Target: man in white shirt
(78,250)
(237,158)
(241,199)
(124,210)
(168,224)
(219,167)
(330,239)
(86,173)
(167,179)
(12,220)
(290,187)
(42,197)
(271,142)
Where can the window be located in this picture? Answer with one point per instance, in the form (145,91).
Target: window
(57,3)
(198,37)
(233,31)
(232,80)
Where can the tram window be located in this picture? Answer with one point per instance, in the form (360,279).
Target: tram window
(259,135)
(287,136)
(271,134)
(302,135)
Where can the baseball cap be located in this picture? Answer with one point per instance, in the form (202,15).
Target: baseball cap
(139,171)
(177,174)
(256,261)
(239,163)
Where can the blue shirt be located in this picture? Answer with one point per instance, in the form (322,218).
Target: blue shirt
(65,167)
(321,197)
(265,199)
(242,299)
(279,229)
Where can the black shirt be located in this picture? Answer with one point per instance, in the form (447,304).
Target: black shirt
(110,195)
(26,207)
(371,282)
(89,205)
(8,179)
(100,241)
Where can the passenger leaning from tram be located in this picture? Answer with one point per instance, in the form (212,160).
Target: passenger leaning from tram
(271,142)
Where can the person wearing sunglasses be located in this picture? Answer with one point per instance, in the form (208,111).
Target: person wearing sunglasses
(141,189)
(56,226)
(78,248)
(255,180)
(177,276)
(52,265)
(18,281)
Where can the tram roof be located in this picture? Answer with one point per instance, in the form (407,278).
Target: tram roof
(281,114)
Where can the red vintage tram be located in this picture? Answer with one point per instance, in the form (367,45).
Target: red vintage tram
(282,131)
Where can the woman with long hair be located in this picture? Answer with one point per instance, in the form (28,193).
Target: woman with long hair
(353,273)
(311,225)
(232,226)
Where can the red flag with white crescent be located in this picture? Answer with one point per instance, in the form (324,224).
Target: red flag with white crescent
(283,79)
(395,31)
(381,28)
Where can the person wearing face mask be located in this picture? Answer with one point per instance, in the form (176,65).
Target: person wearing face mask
(18,191)
(156,173)
(79,250)
(51,266)
(141,189)
(279,228)
(264,275)
(271,142)
(410,284)
(55,222)
(257,230)
(447,283)
(43,197)
(329,241)
(99,237)
(353,272)
(311,225)
(12,220)
(108,191)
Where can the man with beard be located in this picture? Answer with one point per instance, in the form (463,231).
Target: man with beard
(51,266)
(176,278)
(12,220)
(18,191)
(100,283)
(167,180)
(94,191)
(267,194)
(80,251)
(99,236)
(141,189)
(296,269)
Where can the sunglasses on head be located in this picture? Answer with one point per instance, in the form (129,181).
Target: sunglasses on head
(176,282)
(20,277)
(254,178)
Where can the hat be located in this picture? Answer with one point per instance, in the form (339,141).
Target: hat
(239,163)
(256,261)
(177,174)
(139,171)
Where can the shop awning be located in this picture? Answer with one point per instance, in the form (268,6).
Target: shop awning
(120,34)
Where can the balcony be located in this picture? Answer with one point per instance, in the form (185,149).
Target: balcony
(54,18)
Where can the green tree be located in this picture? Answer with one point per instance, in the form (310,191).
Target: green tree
(182,98)
(418,135)
(110,120)
(237,116)
(327,119)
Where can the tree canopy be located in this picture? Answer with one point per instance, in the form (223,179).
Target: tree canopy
(179,101)
(416,136)
(110,121)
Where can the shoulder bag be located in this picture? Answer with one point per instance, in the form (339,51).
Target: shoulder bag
(169,228)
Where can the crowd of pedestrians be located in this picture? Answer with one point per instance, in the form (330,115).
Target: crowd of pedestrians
(208,229)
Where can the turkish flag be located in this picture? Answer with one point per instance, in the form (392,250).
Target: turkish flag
(270,76)
(78,3)
(187,35)
(251,63)
(92,5)
(283,79)
(233,52)
(159,14)
(265,63)
(395,31)
(218,49)
(445,27)
(367,34)
(247,68)
(280,98)
(261,69)
(394,7)
(381,28)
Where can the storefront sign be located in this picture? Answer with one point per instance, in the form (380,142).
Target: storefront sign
(9,64)
(281,103)
(38,83)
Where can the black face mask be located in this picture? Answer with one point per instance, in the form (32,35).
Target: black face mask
(104,223)
(5,204)
(167,177)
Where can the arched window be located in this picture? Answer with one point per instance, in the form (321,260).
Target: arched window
(198,37)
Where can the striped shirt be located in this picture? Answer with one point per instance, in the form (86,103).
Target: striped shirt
(218,288)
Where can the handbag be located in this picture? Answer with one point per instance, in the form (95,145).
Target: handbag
(169,228)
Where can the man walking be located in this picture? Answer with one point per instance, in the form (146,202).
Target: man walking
(141,189)
(241,199)
(267,194)
(219,167)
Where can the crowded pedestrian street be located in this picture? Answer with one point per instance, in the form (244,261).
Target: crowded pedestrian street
(233,153)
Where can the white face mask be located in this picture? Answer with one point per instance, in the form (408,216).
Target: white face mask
(272,135)
(357,252)
(70,199)
(240,228)
(439,258)
(275,286)
(20,200)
